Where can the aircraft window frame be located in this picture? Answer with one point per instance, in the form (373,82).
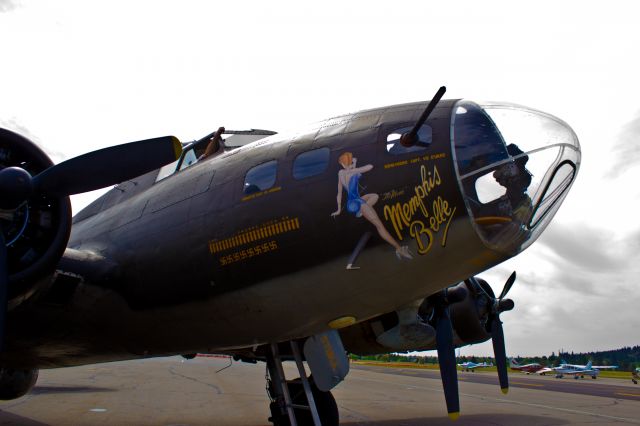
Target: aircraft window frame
(167,170)
(178,165)
(187,162)
(251,186)
(394,147)
(312,167)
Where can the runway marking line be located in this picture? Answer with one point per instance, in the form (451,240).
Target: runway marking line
(628,394)
(527,404)
(527,384)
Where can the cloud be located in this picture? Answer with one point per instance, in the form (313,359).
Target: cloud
(627,148)
(7,5)
(586,247)
(14,126)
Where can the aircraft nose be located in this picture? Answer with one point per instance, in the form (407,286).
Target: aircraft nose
(515,166)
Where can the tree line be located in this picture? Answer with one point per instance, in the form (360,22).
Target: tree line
(627,358)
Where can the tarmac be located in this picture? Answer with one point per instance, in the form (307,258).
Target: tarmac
(174,391)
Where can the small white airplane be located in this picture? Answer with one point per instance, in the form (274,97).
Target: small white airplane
(471,366)
(577,371)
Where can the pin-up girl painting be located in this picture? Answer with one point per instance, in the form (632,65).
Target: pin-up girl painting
(362,205)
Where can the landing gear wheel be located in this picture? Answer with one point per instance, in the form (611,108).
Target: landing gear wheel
(325,403)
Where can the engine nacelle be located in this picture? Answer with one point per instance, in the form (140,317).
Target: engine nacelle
(36,232)
(16,383)
(470,316)
(412,327)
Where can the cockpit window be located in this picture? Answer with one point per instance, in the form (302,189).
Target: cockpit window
(394,146)
(260,178)
(482,144)
(167,171)
(311,163)
(189,159)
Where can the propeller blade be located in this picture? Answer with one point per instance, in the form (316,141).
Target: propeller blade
(108,166)
(507,285)
(499,351)
(447,361)
(4,286)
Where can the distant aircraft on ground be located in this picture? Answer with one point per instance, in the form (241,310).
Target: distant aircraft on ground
(635,376)
(575,370)
(471,366)
(527,368)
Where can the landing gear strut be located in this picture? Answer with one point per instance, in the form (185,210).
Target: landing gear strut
(299,401)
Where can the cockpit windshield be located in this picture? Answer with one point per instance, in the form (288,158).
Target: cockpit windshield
(192,152)
(514,167)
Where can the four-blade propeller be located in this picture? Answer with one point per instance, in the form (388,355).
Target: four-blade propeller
(88,172)
(444,337)
(496,306)
(446,348)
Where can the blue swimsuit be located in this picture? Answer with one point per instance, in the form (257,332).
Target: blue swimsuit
(354,202)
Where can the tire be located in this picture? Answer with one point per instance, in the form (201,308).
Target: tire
(325,403)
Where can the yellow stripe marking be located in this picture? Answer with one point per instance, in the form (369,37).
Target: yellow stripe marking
(527,384)
(628,394)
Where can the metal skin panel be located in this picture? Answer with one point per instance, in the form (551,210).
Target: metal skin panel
(219,270)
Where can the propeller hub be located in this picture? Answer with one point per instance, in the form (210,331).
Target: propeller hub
(505,305)
(454,295)
(15,187)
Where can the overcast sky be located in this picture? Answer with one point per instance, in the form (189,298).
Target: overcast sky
(76,76)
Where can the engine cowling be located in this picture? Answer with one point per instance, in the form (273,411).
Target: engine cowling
(470,316)
(37,231)
(16,383)
(413,330)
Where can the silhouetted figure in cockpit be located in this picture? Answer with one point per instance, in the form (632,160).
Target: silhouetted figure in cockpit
(515,177)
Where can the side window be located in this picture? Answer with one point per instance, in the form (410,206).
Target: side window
(311,163)
(261,177)
(167,171)
(189,159)
(395,147)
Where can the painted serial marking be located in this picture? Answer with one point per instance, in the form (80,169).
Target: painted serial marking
(249,253)
(250,236)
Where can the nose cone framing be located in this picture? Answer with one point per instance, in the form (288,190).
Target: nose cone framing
(514,166)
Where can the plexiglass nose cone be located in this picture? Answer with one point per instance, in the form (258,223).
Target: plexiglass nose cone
(515,166)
